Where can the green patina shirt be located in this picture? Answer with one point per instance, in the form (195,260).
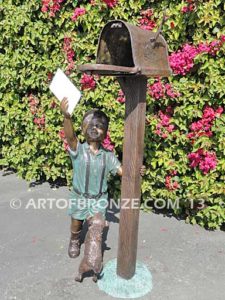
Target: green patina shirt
(79,160)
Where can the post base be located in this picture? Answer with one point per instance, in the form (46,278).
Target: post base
(139,285)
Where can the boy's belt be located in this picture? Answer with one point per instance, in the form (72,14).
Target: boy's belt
(89,196)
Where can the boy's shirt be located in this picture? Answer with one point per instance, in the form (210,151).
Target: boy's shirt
(79,160)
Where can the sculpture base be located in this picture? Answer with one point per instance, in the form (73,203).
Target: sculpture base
(112,284)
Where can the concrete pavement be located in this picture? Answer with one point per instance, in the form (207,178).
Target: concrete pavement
(186,262)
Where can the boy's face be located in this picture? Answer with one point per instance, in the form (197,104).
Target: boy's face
(94,129)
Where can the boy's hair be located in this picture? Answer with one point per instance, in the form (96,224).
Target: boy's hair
(95,113)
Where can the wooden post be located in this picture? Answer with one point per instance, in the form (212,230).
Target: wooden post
(134,89)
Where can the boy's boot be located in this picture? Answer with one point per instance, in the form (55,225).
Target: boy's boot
(74,245)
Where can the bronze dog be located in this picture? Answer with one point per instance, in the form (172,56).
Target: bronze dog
(92,259)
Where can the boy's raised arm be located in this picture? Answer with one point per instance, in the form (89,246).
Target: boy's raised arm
(68,125)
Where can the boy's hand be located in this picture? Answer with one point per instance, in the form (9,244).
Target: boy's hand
(64,107)
(142,170)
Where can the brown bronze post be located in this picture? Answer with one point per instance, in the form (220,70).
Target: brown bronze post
(134,89)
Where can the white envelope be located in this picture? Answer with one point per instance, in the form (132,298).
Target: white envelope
(61,87)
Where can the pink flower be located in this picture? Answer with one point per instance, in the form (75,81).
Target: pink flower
(156,90)
(145,22)
(205,160)
(203,47)
(191,7)
(219,111)
(164,135)
(170,128)
(222,38)
(51,5)
(107,143)
(65,145)
(163,128)
(176,185)
(69,53)
(169,110)
(171,185)
(167,182)
(67,48)
(158,131)
(77,13)
(173,172)
(70,67)
(195,158)
(182,61)
(208,163)
(203,127)
(211,48)
(165,119)
(44,8)
(33,102)
(63,138)
(36,121)
(170,92)
(148,13)
(159,90)
(40,121)
(62,134)
(121,97)
(188,8)
(87,82)
(184,9)
(158,126)
(209,113)
(110,3)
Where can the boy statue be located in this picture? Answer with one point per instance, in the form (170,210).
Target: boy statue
(92,164)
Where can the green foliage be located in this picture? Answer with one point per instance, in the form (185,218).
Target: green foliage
(31,47)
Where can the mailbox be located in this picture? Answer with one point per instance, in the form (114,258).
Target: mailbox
(126,50)
(132,54)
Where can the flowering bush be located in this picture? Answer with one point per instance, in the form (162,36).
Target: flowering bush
(185,135)
(182,61)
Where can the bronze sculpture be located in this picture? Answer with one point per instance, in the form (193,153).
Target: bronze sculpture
(92,164)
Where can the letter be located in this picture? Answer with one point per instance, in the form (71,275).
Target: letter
(61,200)
(31,203)
(173,204)
(161,206)
(51,202)
(41,203)
(135,203)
